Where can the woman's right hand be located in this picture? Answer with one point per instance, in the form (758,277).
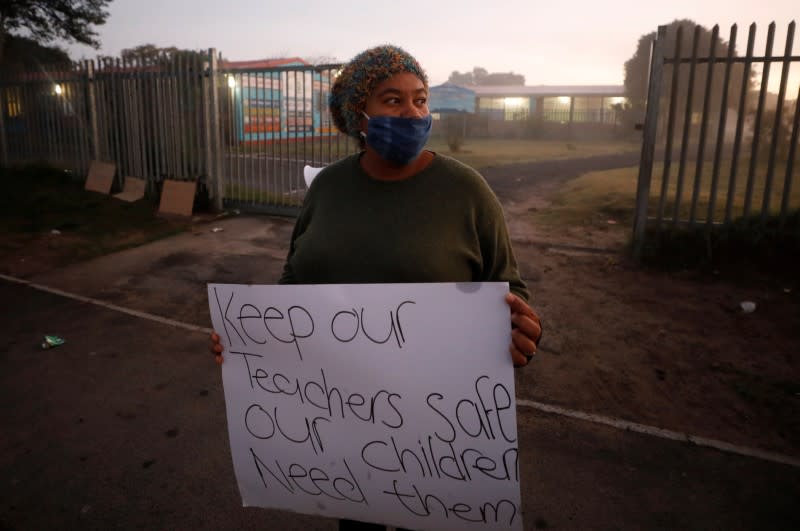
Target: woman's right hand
(216,347)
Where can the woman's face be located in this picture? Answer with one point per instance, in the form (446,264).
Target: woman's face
(402,95)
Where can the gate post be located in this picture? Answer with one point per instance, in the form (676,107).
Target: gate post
(95,150)
(4,162)
(648,140)
(211,178)
(212,137)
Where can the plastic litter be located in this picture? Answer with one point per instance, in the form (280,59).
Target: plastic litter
(52,341)
(747,306)
(217,229)
(55,231)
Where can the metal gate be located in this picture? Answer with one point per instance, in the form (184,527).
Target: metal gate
(736,152)
(274,121)
(242,131)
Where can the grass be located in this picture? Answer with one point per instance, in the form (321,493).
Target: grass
(770,246)
(597,196)
(476,152)
(485,152)
(592,199)
(40,200)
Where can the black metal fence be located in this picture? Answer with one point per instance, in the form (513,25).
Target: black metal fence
(732,152)
(244,134)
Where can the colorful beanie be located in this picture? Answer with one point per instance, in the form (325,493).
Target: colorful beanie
(360,76)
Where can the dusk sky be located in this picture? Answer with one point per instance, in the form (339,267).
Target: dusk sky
(551,43)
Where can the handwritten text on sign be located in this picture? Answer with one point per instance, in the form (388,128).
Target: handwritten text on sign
(390,403)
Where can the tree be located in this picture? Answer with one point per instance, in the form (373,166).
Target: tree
(478,74)
(457,78)
(784,134)
(503,78)
(24,54)
(163,55)
(637,73)
(481,76)
(47,20)
(318,60)
(149,52)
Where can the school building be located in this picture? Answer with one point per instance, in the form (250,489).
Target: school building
(513,110)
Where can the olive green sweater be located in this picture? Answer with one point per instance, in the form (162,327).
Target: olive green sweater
(443,224)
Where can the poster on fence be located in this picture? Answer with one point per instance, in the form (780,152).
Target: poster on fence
(386,403)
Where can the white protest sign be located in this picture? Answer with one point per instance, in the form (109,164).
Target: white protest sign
(388,403)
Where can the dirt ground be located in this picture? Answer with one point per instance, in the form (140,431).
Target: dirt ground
(673,350)
(670,350)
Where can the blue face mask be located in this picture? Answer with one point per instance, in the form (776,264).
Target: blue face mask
(396,139)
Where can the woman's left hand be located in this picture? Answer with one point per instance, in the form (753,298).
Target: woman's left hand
(526,330)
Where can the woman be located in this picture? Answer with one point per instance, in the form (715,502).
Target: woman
(396,212)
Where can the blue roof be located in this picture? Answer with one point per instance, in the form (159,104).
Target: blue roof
(448,97)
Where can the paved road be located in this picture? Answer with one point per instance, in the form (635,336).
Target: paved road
(124,426)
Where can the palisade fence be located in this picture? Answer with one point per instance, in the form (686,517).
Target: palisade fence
(717,145)
(244,135)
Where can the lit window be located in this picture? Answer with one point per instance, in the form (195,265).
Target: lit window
(516,108)
(13,102)
(587,109)
(508,109)
(556,109)
(515,103)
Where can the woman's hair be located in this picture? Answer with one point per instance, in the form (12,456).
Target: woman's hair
(360,76)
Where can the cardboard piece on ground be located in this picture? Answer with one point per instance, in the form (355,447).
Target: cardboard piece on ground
(133,190)
(177,197)
(101,177)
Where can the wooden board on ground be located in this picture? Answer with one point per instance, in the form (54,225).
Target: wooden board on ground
(177,197)
(101,177)
(133,190)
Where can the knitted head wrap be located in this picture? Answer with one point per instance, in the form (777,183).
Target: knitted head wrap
(360,76)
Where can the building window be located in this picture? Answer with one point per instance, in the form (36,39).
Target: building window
(556,109)
(13,102)
(506,109)
(587,109)
(612,109)
(516,108)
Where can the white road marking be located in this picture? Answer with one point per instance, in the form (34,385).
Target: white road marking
(108,305)
(619,424)
(662,433)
